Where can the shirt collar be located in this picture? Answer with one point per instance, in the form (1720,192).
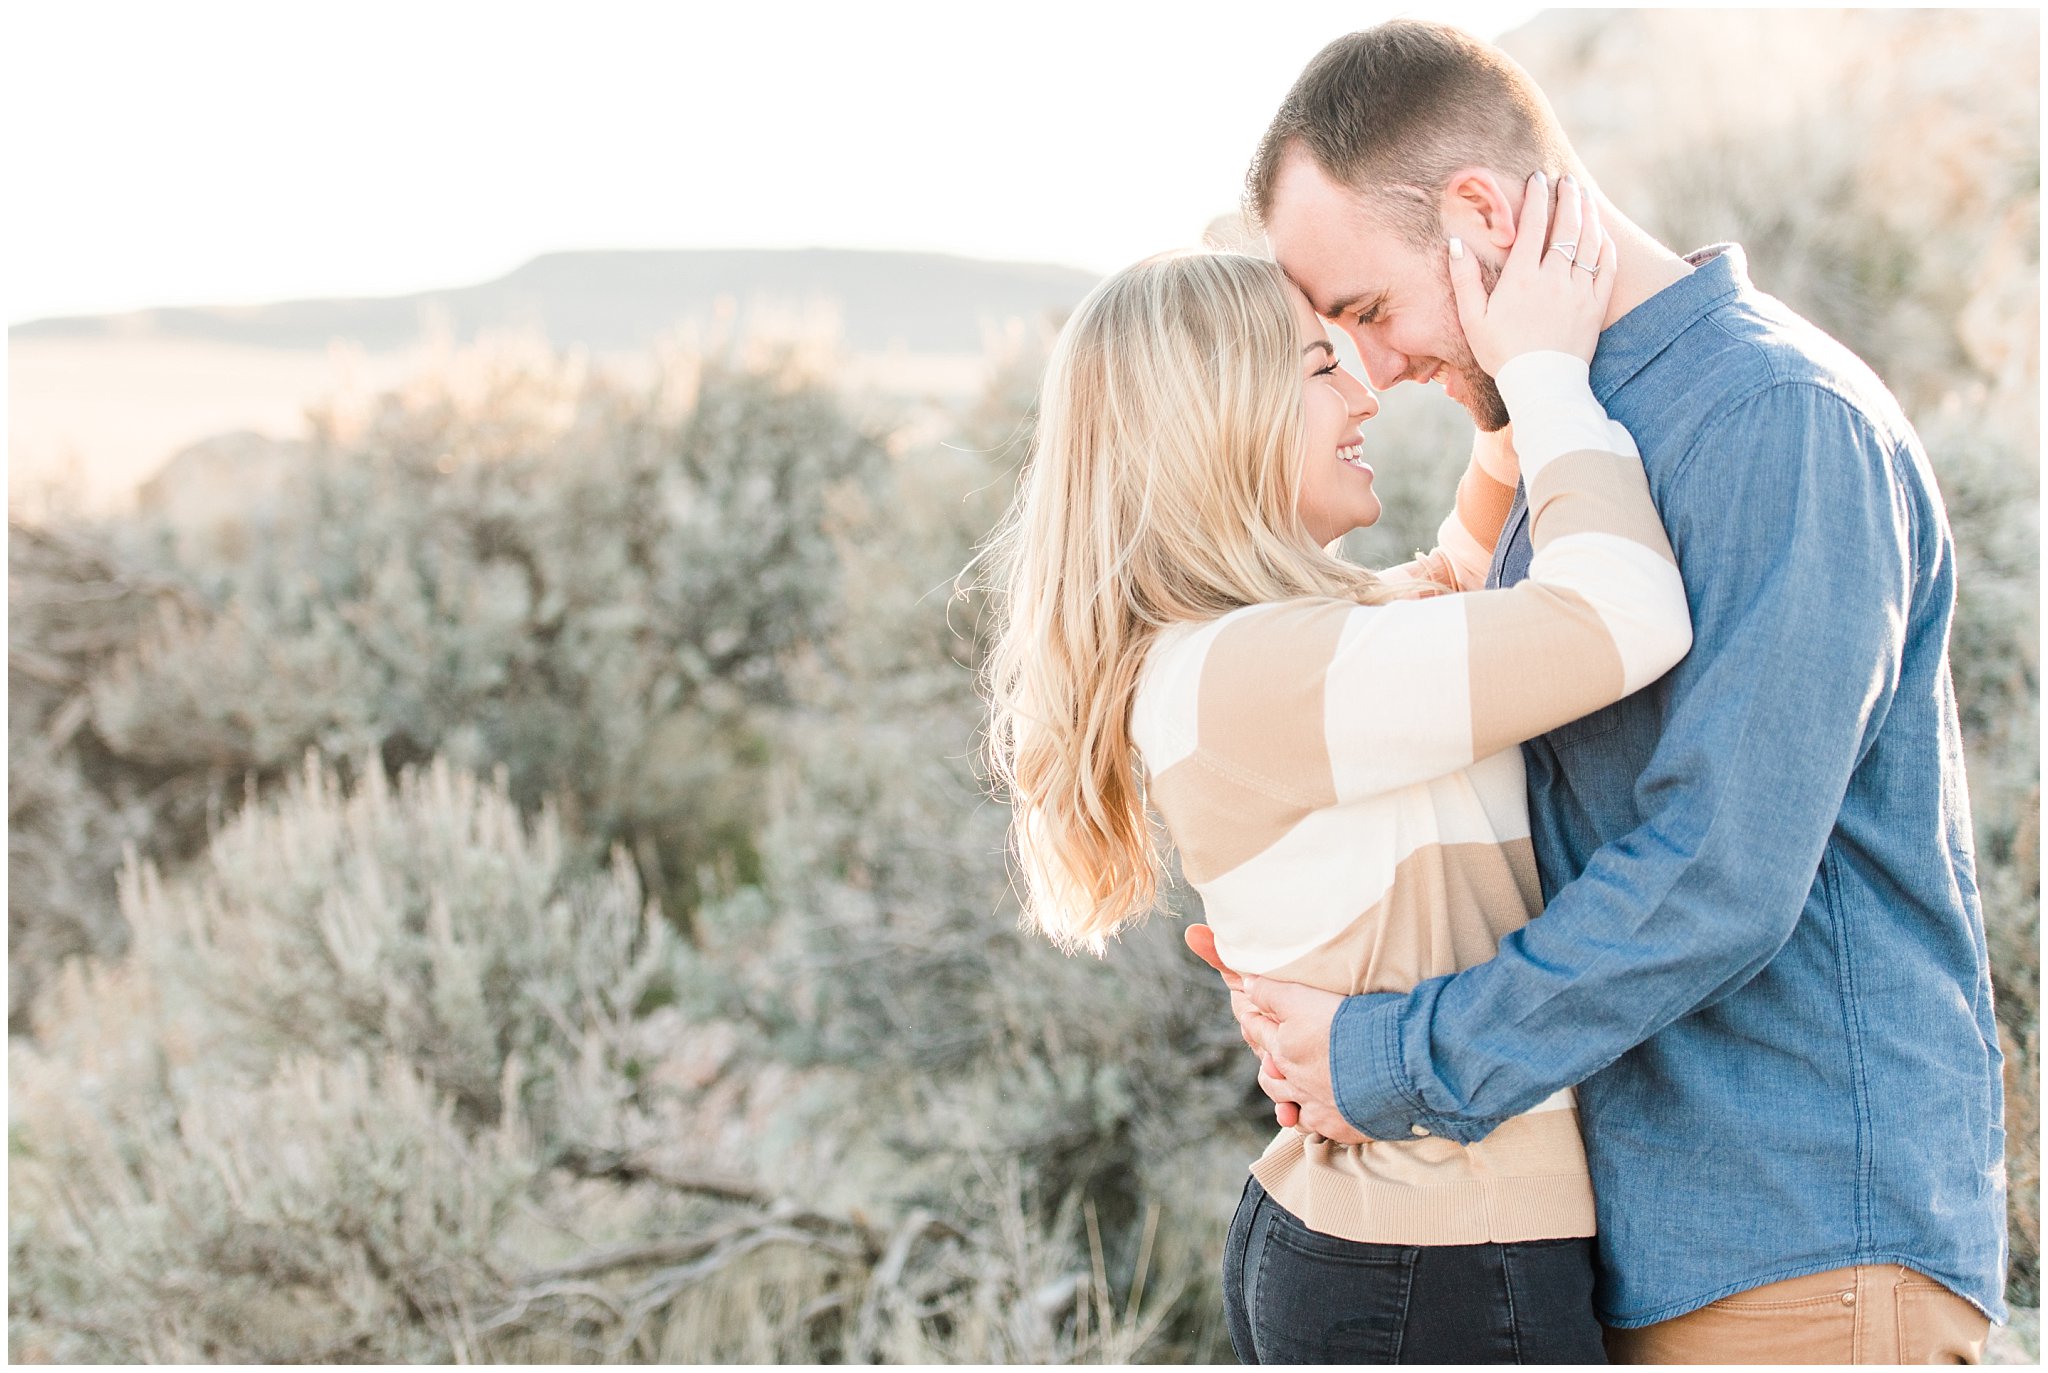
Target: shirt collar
(1720,271)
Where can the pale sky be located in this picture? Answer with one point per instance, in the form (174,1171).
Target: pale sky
(215,153)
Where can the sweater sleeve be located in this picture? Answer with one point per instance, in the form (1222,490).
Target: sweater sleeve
(1314,702)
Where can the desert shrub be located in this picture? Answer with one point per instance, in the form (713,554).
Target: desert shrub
(394,1075)
(335,1212)
(600,589)
(293,1122)
(75,605)
(540,571)
(1880,167)
(431,923)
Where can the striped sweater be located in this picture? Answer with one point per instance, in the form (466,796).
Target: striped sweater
(1343,787)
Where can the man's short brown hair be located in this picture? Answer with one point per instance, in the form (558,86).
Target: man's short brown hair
(1393,112)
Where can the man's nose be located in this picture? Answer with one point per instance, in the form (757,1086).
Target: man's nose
(1384,367)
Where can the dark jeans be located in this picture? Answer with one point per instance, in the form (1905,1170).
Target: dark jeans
(1294,1295)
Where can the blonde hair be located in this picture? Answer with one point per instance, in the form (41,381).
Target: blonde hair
(1160,489)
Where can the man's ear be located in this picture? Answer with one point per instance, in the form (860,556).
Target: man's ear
(1479,208)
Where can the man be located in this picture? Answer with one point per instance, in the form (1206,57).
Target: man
(1762,957)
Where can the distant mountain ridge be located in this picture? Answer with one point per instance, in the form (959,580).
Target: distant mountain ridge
(622,300)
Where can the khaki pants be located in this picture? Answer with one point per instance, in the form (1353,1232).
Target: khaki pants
(1875,1313)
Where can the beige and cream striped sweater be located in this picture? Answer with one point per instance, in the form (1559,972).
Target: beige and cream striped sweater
(1343,787)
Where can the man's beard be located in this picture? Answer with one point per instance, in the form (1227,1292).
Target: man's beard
(1487,409)
(1484,404)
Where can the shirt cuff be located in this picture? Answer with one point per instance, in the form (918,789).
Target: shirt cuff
(1370,1081)
(1365,1067)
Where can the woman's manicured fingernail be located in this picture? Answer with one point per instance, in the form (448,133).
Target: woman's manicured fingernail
(1457,247)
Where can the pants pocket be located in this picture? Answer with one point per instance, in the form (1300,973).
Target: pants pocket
(1315,1298)
(1811,1323)
(1550,1292)
(1936,1325)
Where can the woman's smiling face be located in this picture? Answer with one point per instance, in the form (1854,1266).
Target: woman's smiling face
(1335,495)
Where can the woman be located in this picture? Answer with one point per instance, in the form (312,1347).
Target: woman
(1330,750)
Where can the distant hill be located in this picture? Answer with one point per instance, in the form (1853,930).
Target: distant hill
(924,303)
(100,401)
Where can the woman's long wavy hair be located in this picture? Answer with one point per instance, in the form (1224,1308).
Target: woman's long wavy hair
(1160,489)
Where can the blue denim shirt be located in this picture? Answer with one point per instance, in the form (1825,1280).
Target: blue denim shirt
(1762,956)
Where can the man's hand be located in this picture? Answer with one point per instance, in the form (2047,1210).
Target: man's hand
(1265,1034)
